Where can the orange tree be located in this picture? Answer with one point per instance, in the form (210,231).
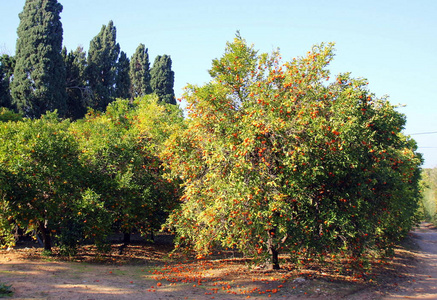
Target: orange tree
(41,179)
(120,148)
(8,115)
(278,157)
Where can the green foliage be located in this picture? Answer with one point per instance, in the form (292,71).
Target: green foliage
(83,180)
(162,79)
(6,221)
(139,72)
(429,177)
(277,158)
(9,115)
(39,76)
(42,175)
(120,148)
(89,219)
(102,65)
(78,95)
(7,65)
(123,82)
(5,290)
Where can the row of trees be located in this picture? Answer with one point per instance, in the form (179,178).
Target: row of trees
(86,179)
(43,76)
(430,194)
(273,157)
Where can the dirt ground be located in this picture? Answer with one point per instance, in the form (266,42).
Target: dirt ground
(146,271)
(422,283)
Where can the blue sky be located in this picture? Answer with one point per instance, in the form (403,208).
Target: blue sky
(392,43)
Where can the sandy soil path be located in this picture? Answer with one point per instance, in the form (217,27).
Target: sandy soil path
(423,281)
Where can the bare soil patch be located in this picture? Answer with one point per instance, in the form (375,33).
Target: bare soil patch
(422,276)
(148,271)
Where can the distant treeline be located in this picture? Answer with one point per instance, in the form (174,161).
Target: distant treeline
(430,194)
(44,76)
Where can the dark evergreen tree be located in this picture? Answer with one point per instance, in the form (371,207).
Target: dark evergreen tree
(39,76)
(7,64)
(102,64)
(140,72)
(77,91)
(162,79)
(123,83)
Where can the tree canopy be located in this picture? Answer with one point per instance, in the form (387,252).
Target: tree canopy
(42,176)
(162,79)
(7,65)
(102,65)
(78,93)
(123,81)
(89,178)
(39,75)
(44,77)
(277,157)
(140,72)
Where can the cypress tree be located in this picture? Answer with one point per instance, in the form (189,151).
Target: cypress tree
(77,91)
(102,64)
(39,76)
(7,64)
(140,72)
(162,79)
(123,83)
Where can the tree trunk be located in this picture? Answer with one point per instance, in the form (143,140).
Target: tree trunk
(126,238)
(273,261)
(46,238)
(126,241)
